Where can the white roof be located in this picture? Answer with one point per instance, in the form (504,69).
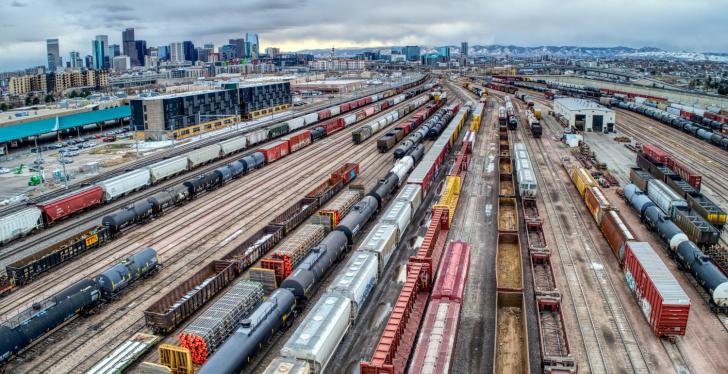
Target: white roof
(665,282)
(580,104)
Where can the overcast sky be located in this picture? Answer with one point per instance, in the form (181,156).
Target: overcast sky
(691,25)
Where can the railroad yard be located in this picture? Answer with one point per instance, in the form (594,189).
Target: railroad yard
(447,224)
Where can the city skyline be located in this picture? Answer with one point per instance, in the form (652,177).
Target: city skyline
(298,25)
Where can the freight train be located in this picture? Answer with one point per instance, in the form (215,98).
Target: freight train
(413,140)
(45,213)
(526,178)
(31,324)
(685,251)
(329,319)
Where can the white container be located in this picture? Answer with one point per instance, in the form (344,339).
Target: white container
(167,168)
(356,280)
(664,197)
(402,167)
(398,213)
(203,155)
(233,145)
(19,223)
(348,120)
(311,118)
(412,194)
(125,183)
(318,336)
(382,241)
(296,123)
(257,136)
(335,110)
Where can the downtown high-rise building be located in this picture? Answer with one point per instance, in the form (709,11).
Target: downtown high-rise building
(189,51)
(54,55)
(241,47)
(176,52)
(464,48)
(99,50)
(253,45)
(128,45)
(140,50)
(75,60)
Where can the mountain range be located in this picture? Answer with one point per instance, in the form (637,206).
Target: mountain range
(554,51)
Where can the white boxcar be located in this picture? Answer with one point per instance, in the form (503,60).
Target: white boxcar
(233,145)
(287,365)
(203,155)
(398,99)
(296,123)
(167,168)
(125,183)
(348,120)
(375,98)
(402,167)
(411,193)
(311,118)
(357,280)
(19,223)
(318,336)
(335,110)
(257,136)
(382,241)
(399,213)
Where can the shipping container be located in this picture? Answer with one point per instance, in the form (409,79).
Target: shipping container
(660,297)
(617,233)
(203,155)
(64,206)
(274,151)
(298,140)
(582,180)
(125,183)
(167,168)
(172,309)
(317,337)
(597,203)
(233,145)
(333,125)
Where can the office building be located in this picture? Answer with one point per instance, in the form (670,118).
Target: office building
(272,52)
(241,47)
(54,55)
(98,49)
(114,50)
(228,52)
(444,52)
(189,51)
(140,48)
(464,48)
(176,52)
(202,54)
(121,63)
(75,60)
(128,46)
(89,62)
(253,45)
(412,52)
(163,52)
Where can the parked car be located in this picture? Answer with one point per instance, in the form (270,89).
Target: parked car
(66,161)
(4,170)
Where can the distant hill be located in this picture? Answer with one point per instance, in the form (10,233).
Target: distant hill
(556,51)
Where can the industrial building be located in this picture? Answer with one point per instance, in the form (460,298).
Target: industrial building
(330,86)
(188,114)
(585,115)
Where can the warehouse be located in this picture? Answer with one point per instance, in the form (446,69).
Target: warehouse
(331,86)
(585,115)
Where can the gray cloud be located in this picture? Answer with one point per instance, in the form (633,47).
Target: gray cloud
(693,25)
(18,4)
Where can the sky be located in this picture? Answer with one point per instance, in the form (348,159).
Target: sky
(681,25)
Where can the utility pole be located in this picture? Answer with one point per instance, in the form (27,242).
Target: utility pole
(62,159)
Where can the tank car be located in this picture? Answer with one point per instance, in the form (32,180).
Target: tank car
(135,213)
(359,215)
(121,275)
(384,187)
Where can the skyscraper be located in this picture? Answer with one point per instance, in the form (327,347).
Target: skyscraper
(99,49)
(176,52)
(54,55)
(140,48)
(253,45)
(114,50)
(227,52)
(240,47)
(464,48)
(127,45)
(189,51)
(444,52)
(412,52)
(163,52)
(75,60)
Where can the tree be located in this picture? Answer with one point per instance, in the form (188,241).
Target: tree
(28,100)
(85,93)
(49,98)
(36,101)
(73,94)
(3,107)
(723,88)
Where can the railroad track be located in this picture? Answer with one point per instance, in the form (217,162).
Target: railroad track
(178,151)
(591,272)
(105,334)
(76,225)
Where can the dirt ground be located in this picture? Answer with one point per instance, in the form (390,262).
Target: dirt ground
(510,273)
(509,352)
(507,217)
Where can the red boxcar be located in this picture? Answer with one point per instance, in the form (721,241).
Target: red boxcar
(274,151)
(453,272)
(360,115)
(369,111)
(617,232)
(385,104)
(326,113)
(345,107)
(298,140)
(687,115)
(659,295)
(333,125)
(405,127)
(64,206)
(361,102)
(716,117)
(692,177)
(655,154)
(434,350)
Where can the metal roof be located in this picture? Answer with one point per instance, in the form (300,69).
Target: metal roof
(580,104)
(47,125)
(665,282)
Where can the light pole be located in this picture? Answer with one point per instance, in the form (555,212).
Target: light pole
(62,160)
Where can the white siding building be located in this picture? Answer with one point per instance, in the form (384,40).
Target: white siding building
(585,115)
